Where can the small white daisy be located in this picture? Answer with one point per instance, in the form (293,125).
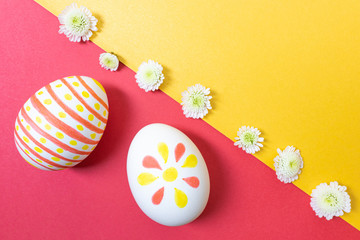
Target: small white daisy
(288,164)
(109,61)
(77,23)
(196,102)
(249,139)
(149,76)
(330,200)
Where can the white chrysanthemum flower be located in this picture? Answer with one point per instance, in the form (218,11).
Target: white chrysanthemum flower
(288,164)
(330,200)
(77,23)
(149,76)
(249,139)
(109,61)
(195,101)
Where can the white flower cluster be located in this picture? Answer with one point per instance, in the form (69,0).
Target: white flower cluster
(109,61)
(330,200)
(249,139)
(149,76)
(196,101)
(77,23)
(288,164)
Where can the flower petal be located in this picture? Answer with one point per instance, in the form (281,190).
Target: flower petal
(192,181)
(179,151)
(158,196)
(190,162)
(164,151)
(150,162)
(146,178)
(180,198)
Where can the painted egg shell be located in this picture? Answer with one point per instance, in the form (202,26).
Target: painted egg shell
(167,175)
(62,123)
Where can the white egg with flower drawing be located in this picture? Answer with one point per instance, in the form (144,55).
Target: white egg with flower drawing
(167,175)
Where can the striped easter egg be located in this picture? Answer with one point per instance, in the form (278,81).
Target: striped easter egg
(61,124)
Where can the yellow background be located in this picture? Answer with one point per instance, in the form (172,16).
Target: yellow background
(289,68)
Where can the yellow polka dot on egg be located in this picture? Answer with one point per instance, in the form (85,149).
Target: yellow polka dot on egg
(38,149)
(76,157)
(26,139)
(80,108)
(38,119)
(41,92)
(73,142)
(47,101)
(91,117)
(42,140)
(59,85)
(85,94)
(60,150)
(76,84)
(104,113)
(93,148)
(59,135)
(17,128)
(27,108)
(99,124)
(47,127)
(79,127)
(69,163)
(49,166)
(28,128)
(85,147)
(62,115)
(93,135)
(68,97)
(27,151)
(38,160)
(22,120)
(97,106)
(55,159)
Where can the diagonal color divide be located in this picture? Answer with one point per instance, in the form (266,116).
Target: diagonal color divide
(289,68)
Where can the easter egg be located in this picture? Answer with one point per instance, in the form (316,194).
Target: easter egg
(167,175)
(61,124)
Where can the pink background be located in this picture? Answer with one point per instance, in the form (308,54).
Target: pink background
(93,200)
